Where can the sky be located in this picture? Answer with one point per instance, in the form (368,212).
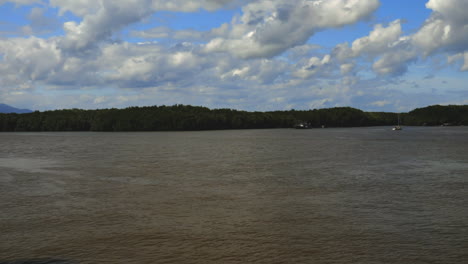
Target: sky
(260,55)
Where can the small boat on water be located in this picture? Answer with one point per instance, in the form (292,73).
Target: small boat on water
(397,127)
(303,125)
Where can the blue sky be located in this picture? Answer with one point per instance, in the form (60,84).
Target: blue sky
(376,55)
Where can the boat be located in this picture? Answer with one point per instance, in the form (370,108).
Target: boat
(303,125)
(397,127)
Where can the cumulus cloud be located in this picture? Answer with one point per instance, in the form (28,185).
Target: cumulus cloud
(452,10)
(263,71)
(268,28)
(155,68)
(314,66)
(193,5)
(394,63)
(31,58)
(384,43)
(446,30)
(460,56)
(101,22)
(380,40)
(346,68)
(102,18)
(85,7)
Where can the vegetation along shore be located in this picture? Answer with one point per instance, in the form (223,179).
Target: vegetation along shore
(186,117)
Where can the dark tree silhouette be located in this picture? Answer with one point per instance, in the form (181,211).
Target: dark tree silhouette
(186,117)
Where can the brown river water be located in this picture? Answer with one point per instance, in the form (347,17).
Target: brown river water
(338,195)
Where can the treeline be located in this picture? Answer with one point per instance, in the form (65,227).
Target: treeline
(186,117)
(455,115)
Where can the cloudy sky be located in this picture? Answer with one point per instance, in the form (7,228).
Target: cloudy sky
(376,55)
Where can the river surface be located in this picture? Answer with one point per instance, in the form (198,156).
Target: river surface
(354,195)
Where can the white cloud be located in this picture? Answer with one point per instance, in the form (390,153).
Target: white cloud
(192,5)
(445,31)
(392,50)
(465,65)
(346,68)
(261,71)
(102,18)
(29,58)
(314,66)
(128,65)
(86,7)
(381,103)
(395,62)
(99,24)
(452,10)
(457,57)
(268,28)
(386,45)
(380,40)
(447,28)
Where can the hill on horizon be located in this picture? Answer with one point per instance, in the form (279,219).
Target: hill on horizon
(6,109)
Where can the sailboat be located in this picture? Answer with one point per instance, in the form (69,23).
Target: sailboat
(397,127)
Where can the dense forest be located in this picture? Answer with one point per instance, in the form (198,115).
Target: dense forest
(185,117)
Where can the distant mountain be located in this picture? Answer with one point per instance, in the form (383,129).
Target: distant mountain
(10,109)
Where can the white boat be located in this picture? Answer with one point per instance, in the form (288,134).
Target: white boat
(397,127)
(303,125)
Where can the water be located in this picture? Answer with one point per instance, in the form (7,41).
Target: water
(359,195)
